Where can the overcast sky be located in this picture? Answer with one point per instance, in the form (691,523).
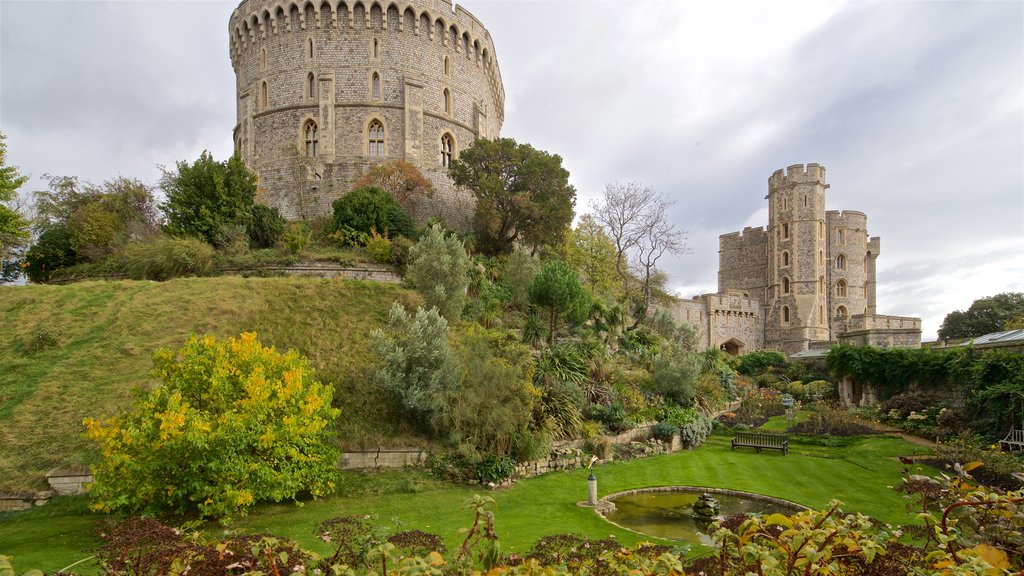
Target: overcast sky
(915,108)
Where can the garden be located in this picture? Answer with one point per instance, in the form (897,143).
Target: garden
(520,340)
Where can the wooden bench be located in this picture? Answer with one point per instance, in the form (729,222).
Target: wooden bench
(762,440)
(1014,441)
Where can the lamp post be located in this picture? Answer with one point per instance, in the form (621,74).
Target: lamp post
(592,483)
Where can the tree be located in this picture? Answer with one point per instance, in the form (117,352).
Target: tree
(439,269)
(637,220)
(557,289)
(13,227)
(206,196)
(79,222)
(523,194)
(232,423)
(986,315)
(417,363)
(367,209)
(402,180)
(660,238)
(592,252)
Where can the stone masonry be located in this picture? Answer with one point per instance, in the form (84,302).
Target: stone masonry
(805,281)
(328,88)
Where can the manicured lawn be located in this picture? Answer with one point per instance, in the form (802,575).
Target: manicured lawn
(857,473)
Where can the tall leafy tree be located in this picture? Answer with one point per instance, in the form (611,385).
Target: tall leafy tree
(558,291)
(206,195)
(523,194)
(986,315)
(13,226)
(591,251)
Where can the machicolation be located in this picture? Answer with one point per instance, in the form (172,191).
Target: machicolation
(328,88)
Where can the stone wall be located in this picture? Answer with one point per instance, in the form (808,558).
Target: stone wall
(383,458)
(422,69)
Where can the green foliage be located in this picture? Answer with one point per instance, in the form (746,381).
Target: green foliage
(165,258)
(379,247)
(493,402)
(79,223)
(591,251)
(892,369)
(674,374)
(297,237)
(522,194)
(13,226)
(439,269)
(693,426)
(52,251)
(986,315)
(520,270)
(44,337)
(664,431)
(417,364)
(613,416)
(370,208)
(266,228)
(759,361)
(205,195)
(231,424)
(557,290)
(401,252)
(495,469)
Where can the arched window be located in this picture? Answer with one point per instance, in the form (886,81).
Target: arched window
(263,96)
(446,150)
(841,236)
(841,262)
(447,101)
(785,285)
(310,85)
(785,258)
(785,314)
(376,139)
(841,311)
(785,231)
(312,139)
(375,83)
(841,288)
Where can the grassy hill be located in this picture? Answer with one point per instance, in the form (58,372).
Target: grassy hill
(76,351)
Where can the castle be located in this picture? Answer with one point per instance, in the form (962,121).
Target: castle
(327,88)
(807,281)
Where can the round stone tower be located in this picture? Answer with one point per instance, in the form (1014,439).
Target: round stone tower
(327,88)
(797,307)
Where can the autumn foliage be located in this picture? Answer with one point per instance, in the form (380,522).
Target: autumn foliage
(232,423)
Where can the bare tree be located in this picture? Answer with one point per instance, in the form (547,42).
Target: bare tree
(636,218)
(623,211)
(659,238)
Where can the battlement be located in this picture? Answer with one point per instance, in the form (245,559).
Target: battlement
(798,174)
(253,22)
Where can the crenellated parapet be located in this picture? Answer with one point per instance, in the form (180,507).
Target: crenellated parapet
(798,174)
(254,22)
(328,88)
